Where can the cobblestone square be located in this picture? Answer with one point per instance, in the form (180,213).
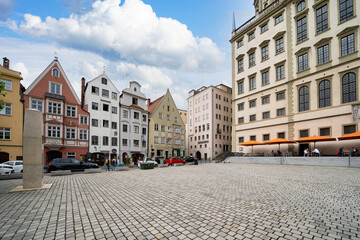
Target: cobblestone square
(210,201)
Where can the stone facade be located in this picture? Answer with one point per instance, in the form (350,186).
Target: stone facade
(295,71)
(209,121)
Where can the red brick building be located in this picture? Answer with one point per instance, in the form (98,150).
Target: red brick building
(66,121)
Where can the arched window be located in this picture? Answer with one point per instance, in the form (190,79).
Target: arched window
(55,72)
(324,94)
(304,98)
(349,87)
(301,5)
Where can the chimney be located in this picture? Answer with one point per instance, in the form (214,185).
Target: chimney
(6,63)
(82,91)
(148,102)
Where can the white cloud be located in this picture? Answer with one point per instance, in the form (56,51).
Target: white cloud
(130,32)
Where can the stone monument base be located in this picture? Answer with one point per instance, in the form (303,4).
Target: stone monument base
(21,189)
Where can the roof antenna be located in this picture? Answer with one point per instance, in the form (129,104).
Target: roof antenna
(234,24)
(104,68)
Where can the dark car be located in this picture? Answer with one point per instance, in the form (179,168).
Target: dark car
(189,159)
(72,164)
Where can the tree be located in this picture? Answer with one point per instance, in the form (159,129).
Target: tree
(2,94)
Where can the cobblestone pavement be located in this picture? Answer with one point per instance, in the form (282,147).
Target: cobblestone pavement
(213,201)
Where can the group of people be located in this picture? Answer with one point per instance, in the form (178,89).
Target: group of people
(307,152)
(342,152)
(111,164)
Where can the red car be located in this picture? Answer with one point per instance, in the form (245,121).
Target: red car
(171,161)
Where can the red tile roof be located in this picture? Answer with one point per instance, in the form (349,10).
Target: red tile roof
(136,106)
(152,106)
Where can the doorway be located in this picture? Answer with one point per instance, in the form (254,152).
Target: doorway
(198,155)
(4,157)
(302,147)
(52,155)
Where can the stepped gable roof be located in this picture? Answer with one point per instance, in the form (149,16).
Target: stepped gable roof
(153,105)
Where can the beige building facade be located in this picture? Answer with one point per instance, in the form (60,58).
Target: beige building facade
(295,74)
(183,115)
(166,128)
(209,121)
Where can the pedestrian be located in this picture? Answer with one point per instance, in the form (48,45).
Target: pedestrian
(316,152)
(340,152)
(113,164)
(107,163)
(354,151)
(306,152)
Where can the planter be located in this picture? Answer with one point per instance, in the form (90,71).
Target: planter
(145,166)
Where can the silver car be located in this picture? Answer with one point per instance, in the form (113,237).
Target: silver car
(17,165)
(6,169)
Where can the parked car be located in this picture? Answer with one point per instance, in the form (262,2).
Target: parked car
(72,164)
(17,165)
(6,169)
(189,159)
(148,160)
(172,160)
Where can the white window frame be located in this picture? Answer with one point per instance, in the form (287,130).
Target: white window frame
(58,72)
(52,102)
(71,155)
(58,128)
(72,131)
(73,108)
(8,84)
(60,89)
(83,134)
(82,118)
(4,130)
(6,106)
(37,101)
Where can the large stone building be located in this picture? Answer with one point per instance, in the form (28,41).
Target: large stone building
(296,73)
(183,115)
(66,121)
(209,121)
(11,116)
(134,123)
(166,128)
(102,97)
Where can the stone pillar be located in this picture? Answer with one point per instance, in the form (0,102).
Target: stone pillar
(33,149)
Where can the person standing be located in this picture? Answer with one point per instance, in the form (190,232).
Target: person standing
(113,162)
(107,163)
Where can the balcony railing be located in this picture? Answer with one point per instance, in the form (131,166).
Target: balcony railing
(259,15)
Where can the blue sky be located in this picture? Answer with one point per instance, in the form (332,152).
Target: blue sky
(180,45)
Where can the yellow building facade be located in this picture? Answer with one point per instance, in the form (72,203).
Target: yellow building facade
(166,128)
(11,116)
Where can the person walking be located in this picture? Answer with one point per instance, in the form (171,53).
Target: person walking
(107,163)
(113,162)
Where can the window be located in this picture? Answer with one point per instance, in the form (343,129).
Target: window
(94,122)
(95,90)
(125,113)
(124,142)
(278,19)
(114,95)
(135,101)
(349,88)
(55,72)
(113,141)
(55,88)
(70,111)
(5,133)
(252,117)
(168,117)
(301,30)
(280,112)
(7,83)
(264,53)
(349,129)
(144,118)
(252,84)
(304,98)
(71,155)
(241,139)
(106,107)
(265,78)
(281,135)
(252,59)
(323,54)
(160,115)
(114,110)
(37,104)
(105,93)
(105,123)
(104,81)
(54,108)
(240,106)
(252,138)
(156,127)
(280,96)
(251,36)
(105,140)
(279,45)
(144,131)
(302,62)
(240,65)
(266,115)
(304,133)
(266,137)
(70,133)
(346,10)
(94,106)
(125,128)
(265,100)
(321,19)
(240,87)
(347,45)
(83,120)
(301,6)
(162,128)
(136,115)
(324,94)
(94,140)
(264,28)
(280,72)
(136,129)
(113,125)
(169,129)
(252,103)
(240,43)
(53,131)
(325,131)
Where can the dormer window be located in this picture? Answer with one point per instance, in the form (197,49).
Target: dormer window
(135,89)
(135,101)
(55,88)
(104,81)
(55,72)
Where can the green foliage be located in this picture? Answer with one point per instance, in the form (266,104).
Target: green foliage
(147,165)
(2,88)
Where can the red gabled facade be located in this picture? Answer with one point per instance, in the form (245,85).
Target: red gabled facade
(66,121)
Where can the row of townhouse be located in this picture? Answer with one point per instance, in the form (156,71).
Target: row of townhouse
(102,124)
